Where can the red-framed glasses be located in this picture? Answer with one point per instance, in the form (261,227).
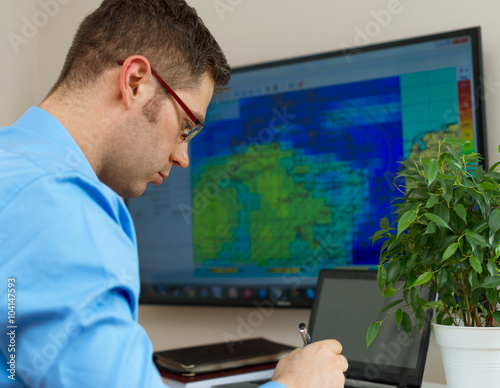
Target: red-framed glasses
(197,123)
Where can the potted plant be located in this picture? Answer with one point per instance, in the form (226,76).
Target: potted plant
(446,239)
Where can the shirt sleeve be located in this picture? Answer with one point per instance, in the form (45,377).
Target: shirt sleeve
(273,384)
(70,245)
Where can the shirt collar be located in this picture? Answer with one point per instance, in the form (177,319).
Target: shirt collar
(42,122)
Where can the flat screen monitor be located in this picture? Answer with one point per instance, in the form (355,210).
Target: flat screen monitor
(295,169)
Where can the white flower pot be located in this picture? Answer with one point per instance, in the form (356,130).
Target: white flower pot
(471,355)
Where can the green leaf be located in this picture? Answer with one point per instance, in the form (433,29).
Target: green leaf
(495,166)
(414,298)
(488,186)
(372,333)
(393,269)
(490,282)
(435,305)
(497,252)
(454,164)
(459,193)
(450,251)
(419,318)
(454,154)
(438,220)
(406,324)
(384,224)
(447,321)
(494,220)
(480,226)
(478,197)
(492,268)
(398,316)
(394,243)
(455,141)
(494,240)
(472,278)
(479,173)
(406,291)
(405,220)
(412,259)
(460,210)
(391,305)
(381,277)
(441,210)
(474,262)
(448,299)
(384,247)
(447,190)
(431,228)
(439,317)
(388,292)
(473,158)
(421,242)
(432,169)
(496,315)
(476,239)
(431,201)
(441,278)
(422,279)
(378,235)
(491,295)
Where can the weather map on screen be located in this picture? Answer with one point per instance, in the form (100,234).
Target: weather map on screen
(317,185)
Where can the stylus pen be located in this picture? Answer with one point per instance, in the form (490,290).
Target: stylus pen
(305,335)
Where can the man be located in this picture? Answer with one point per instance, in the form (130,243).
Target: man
(133,92)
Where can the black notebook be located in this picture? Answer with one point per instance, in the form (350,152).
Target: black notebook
(219,356)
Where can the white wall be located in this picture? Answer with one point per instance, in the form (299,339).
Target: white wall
(249,31)
(18,61)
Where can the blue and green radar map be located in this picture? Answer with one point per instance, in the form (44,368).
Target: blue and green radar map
(290,182)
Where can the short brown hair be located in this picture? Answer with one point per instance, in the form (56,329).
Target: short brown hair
(167,32)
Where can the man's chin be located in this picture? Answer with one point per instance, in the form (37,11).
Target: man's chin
(125,188)
(132,192)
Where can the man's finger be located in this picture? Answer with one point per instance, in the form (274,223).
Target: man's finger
(345,364)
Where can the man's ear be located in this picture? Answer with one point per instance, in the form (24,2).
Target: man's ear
(134,80)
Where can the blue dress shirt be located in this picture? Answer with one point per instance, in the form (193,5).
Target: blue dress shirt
(68,242)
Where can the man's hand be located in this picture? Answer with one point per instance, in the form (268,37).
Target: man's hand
(319,364)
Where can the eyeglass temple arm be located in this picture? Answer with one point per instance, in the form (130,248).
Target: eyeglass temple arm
(174,95)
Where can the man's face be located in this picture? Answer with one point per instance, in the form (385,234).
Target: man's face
(150,144)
